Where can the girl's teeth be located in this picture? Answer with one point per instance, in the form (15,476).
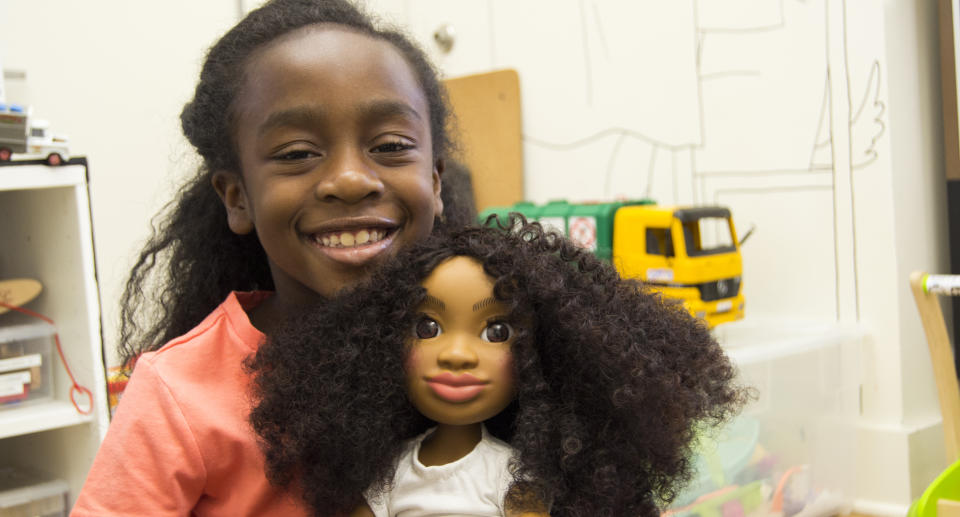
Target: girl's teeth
(347,239)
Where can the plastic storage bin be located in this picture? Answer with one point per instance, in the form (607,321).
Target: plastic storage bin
(793,447)
(26,374)
(25,493)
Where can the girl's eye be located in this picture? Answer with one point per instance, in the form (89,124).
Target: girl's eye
(393,147)
(295,155)
(426,328)
(496,332)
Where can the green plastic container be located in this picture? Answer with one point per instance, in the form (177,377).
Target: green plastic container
(946,486)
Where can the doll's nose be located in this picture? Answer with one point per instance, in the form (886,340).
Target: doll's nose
(457,354)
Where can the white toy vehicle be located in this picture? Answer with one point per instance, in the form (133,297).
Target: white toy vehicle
(29,138)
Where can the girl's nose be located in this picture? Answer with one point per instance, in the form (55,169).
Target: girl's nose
(348,178)
(457,354)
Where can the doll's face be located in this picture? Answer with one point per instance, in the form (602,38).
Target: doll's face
(460,367)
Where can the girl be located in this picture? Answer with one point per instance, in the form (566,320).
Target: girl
(323,140)
(479,339)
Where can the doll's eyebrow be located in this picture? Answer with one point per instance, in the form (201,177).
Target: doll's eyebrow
(483,303)
(434,302)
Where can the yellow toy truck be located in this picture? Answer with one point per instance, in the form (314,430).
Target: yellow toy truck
(689,253)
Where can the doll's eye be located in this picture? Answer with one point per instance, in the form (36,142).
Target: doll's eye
(496,332)
(426,328)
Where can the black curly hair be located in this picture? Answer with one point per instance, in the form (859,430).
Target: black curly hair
(192,260)
(613,380)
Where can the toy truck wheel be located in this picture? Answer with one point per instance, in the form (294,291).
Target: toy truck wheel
(54,159)
(5,154)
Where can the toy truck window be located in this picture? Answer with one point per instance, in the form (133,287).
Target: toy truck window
(659,242)
(708,236)
(36,132)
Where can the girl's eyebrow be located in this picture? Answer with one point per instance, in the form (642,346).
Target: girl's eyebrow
(383,109)
(306,116)
(436,303)
(300,116)
(483,303)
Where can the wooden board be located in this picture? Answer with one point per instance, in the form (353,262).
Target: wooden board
(488,127)
(948,89)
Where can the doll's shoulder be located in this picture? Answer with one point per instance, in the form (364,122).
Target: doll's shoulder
(493,447)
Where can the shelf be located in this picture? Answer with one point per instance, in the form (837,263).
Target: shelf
(21,177)
(22,331)
(39,416)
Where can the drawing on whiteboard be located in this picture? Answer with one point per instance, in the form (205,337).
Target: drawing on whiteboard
(717,114)
(760,105)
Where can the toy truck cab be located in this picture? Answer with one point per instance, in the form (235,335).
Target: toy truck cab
(30,138)
(687,253)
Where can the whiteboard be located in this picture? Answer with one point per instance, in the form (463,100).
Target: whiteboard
(775,108)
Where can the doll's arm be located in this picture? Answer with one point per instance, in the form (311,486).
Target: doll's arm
(527,514)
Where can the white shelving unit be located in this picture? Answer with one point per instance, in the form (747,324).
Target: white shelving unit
(45,234)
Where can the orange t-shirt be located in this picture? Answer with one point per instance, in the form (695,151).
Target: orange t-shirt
(180,442)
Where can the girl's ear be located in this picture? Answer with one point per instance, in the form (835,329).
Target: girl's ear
(230,188)
(438,167)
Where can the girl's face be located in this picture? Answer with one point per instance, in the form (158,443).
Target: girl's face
(333,137)
(460,368)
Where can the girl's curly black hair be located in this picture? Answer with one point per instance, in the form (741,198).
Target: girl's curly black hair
(613,380)
(192,260)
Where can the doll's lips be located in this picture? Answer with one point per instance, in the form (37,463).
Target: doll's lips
(456,388)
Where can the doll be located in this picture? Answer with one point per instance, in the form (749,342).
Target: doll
(581,390)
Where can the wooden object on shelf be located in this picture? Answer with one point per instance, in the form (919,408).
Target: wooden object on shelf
(18,291)
(487,111)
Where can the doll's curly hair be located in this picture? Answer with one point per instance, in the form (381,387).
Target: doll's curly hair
(613,381)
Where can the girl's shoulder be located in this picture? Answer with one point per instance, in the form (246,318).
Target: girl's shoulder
(225,336)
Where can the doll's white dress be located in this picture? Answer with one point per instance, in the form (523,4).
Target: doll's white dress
(474,485)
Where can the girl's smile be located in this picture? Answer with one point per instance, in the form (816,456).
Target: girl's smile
(353,241)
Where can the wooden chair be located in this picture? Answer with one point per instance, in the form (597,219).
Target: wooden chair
(942,497)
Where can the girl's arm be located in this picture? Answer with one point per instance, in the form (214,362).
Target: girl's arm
(149,463)
(362,511)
